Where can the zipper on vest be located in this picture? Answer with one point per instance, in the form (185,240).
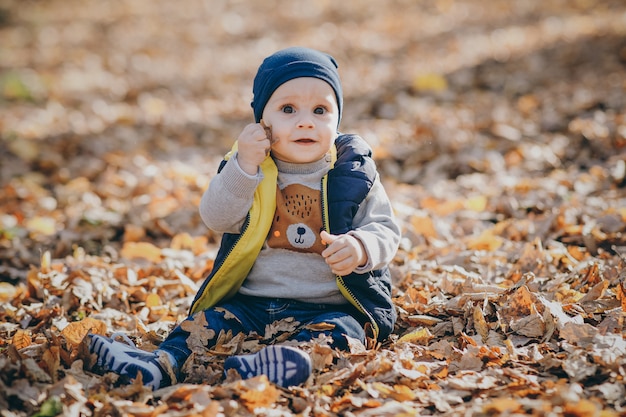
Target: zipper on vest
(216,267)
(343,288)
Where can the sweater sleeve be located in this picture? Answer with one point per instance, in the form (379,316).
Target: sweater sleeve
(375,226)
(227,200)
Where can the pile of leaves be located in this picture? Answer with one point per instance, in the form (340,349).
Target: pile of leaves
(500,134)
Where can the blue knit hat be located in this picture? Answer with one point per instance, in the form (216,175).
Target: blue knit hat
(288,64)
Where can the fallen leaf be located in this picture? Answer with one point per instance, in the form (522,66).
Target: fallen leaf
(480,324)
(21,339)
(258,392)
(142,250)
(7,292)
(430,82)
(75,332)
(199,332)
(420,336)
(153,300)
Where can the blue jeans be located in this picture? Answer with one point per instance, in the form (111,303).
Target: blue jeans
(254,313)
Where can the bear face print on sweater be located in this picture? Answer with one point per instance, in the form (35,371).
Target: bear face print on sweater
(298,220)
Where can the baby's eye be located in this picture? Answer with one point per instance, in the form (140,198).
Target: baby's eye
(287,109)
(319,110)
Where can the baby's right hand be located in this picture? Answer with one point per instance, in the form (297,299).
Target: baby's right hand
(252,147)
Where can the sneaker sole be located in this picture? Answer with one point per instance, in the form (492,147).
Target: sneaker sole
(283,365)
(109,351)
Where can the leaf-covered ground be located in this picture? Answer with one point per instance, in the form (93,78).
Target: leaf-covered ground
(500,131)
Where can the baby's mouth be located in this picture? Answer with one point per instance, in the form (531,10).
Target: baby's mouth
(305,140)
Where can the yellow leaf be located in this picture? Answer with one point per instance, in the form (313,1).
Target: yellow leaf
(424,226)
(145,250)
(26,150)
(478,203)
(420,336)
(621,294)
(45,262)
(442,208)
(7,292)
(320,327)
(185,241)
(502,406)
(163,207)
(153,300)
(430,82)
(583,408)
(487,241)
(182,241)
(41,225)
(402,393)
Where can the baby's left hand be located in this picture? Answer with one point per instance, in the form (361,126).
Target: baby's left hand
(344,253)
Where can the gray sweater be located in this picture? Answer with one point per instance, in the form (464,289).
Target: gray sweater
(289,264)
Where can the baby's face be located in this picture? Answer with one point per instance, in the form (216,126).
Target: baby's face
(303,115)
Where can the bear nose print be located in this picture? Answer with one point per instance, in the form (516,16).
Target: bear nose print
(301,231)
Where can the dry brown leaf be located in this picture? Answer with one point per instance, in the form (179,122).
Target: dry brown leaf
(441,208)
(199,333)
(184,241)
(34,371)
(578,334)
(52,360)
(480,324)
(424,226)
(134,233)
(321,356)
(21,339)
(227,314)
(348,400)
(596,292)
(531,325)
(163,206)
(486,241)
(227,343)
(131,390)
(320,327)
(501,406)
(520,304)
(75,332)
(257,392)
(287,325)
(621,294)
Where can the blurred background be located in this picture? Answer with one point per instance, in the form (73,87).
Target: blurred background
(115,113)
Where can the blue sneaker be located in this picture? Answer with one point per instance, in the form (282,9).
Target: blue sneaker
(128,360)
(283,365)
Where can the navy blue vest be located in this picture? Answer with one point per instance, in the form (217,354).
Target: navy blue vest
(349,182)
